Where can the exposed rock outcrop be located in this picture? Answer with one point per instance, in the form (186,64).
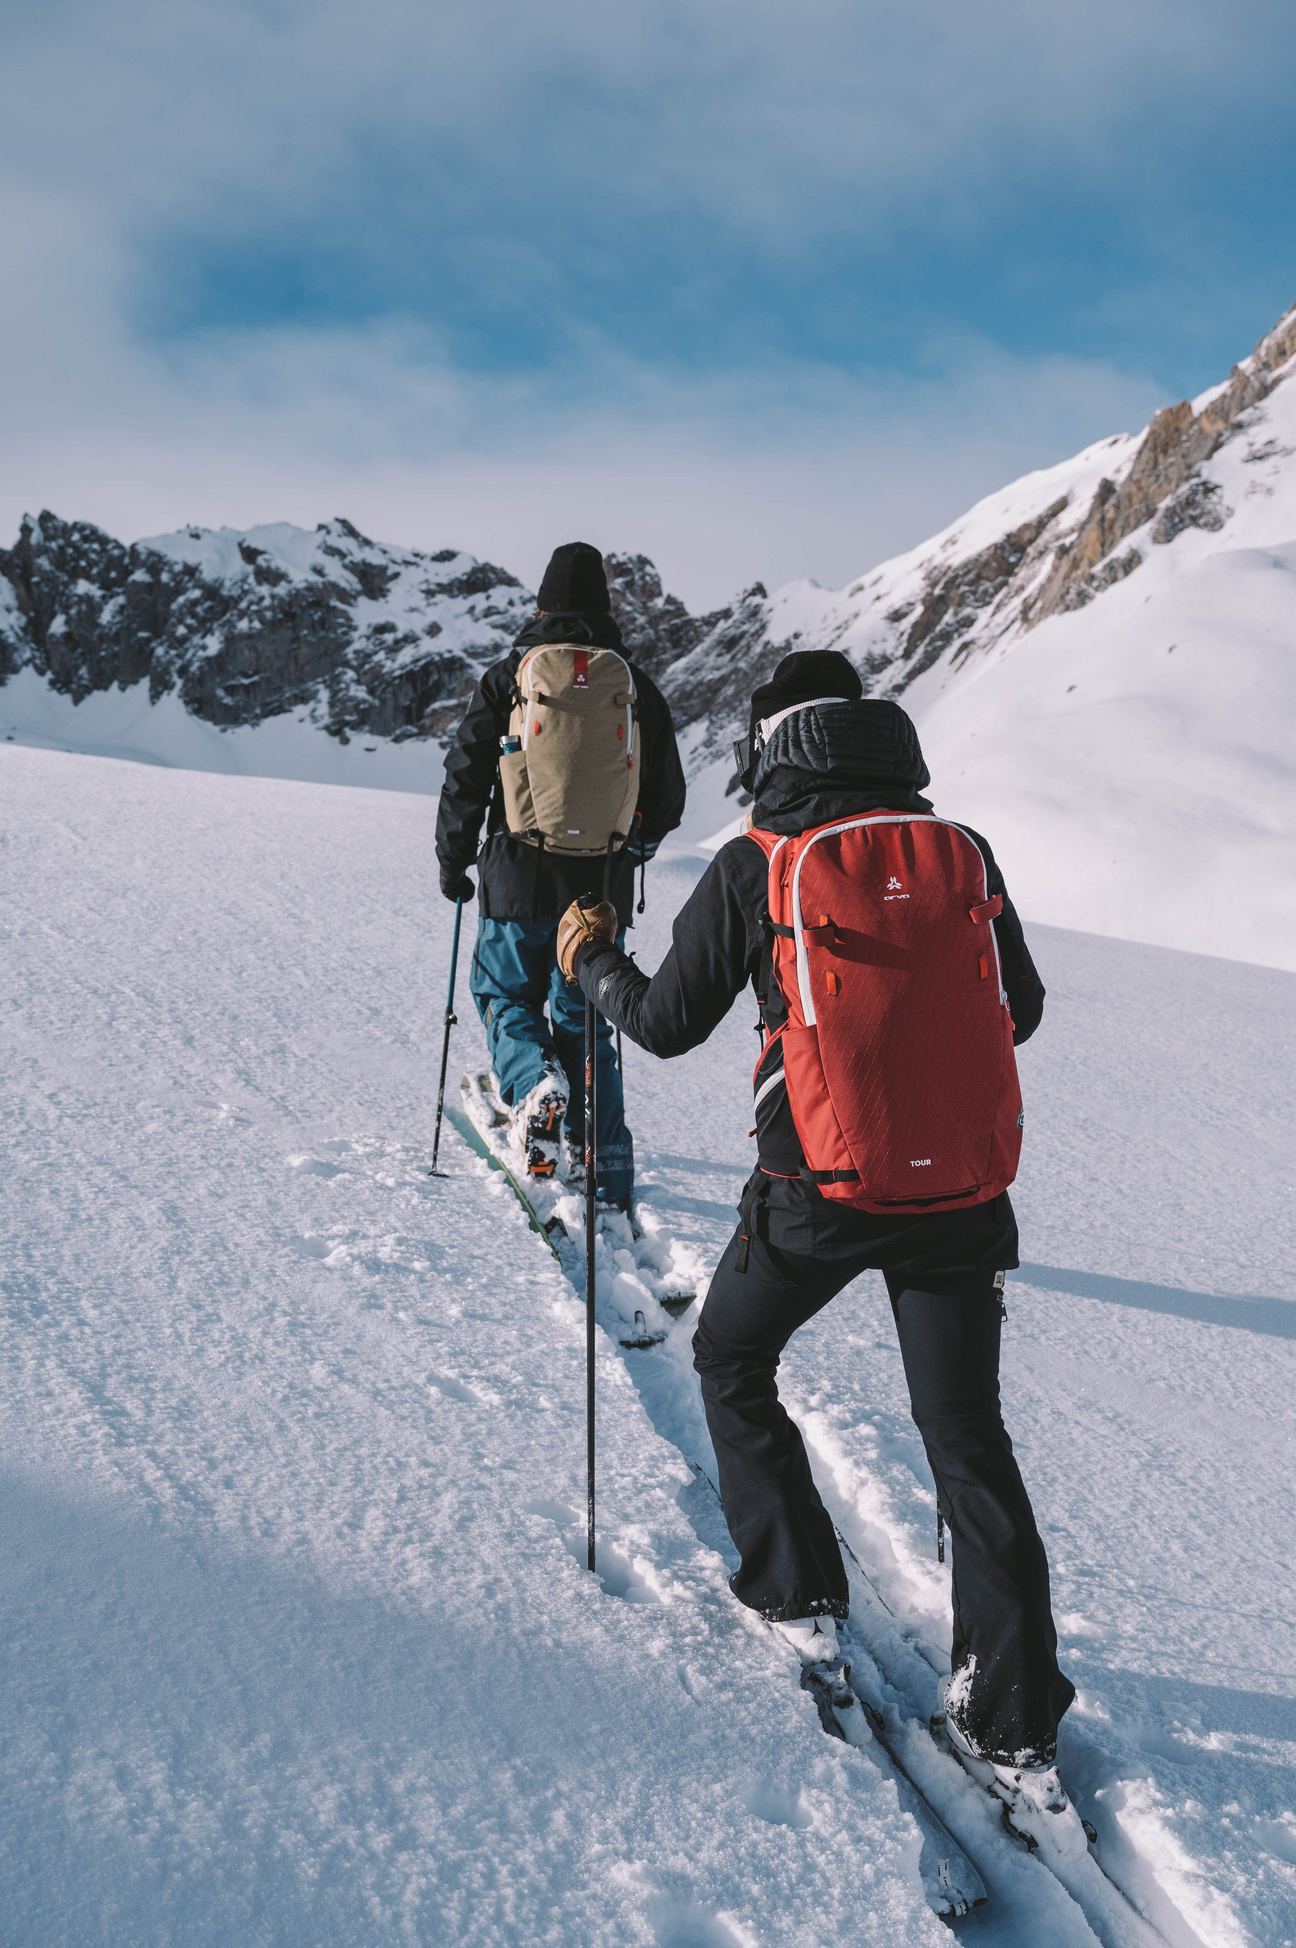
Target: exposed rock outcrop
(1175,445)
(714,682)
(954,599)
(656,628)
(370,639)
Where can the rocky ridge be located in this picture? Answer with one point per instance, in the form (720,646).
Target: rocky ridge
(656,628)
(1163,488)
(372,640)
(247,625)
(1049,543)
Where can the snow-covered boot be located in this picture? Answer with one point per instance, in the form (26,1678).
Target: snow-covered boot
(825,1675)
(1036,1807)
(538,1121)
(813,1638)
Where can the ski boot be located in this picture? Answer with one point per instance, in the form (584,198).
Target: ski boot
(825,1675)
(1036,1809)
(537,1124)
(814,1639)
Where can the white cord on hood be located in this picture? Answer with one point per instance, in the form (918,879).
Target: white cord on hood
(768,725)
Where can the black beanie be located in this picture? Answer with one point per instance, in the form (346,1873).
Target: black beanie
(574,579)
(800,678)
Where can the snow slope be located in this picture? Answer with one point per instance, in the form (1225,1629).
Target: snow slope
(1124,736)
(119,723)
(1136,754)
(299,1644)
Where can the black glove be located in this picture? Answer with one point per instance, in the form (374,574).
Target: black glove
(455,884)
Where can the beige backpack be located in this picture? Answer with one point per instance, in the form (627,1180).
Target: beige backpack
(569,766)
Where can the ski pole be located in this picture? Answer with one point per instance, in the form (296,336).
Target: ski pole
(590,1189)
(450,1019)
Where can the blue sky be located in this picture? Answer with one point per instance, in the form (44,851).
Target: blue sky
(763,291)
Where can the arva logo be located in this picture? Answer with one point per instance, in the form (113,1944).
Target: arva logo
(893,891)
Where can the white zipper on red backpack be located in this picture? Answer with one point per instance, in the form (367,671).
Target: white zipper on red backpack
(851,825)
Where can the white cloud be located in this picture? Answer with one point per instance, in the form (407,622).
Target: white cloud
(134,132)
(240,113)
(780,469)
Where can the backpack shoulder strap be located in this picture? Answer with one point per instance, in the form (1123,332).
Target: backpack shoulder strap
(771,844)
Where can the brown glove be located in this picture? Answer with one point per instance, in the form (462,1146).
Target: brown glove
(580,924)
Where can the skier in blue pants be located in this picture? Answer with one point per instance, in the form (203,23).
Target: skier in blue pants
(535,1022)
(515,974)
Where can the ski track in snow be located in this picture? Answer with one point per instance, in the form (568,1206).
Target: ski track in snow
(299,1642)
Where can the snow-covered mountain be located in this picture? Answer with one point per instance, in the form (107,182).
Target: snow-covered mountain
(231,650)
(244,626)
(1098,657)
(1047,545)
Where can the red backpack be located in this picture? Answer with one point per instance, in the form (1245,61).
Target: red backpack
(897,1049)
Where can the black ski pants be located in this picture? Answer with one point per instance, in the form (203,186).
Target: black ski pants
(791,1564)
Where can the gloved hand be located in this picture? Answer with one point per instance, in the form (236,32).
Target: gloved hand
(455,884)
(580,924)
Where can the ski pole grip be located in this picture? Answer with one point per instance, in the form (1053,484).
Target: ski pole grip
(588,918)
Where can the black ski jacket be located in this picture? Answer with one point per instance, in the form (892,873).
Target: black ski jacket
(720,947)
(516,880)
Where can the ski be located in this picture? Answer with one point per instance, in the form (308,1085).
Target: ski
(851,1704)
(471,1135)
(910,1737)
(951,1884)
(483,1122)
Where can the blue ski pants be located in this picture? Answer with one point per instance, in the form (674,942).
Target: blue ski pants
(515,973)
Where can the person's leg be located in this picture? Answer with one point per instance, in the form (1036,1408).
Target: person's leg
(791,1564)
(615,1149)
(510,983)
(1007,1691)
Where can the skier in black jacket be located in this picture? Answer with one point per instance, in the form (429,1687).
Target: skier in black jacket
(794,1250)
(523,890)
